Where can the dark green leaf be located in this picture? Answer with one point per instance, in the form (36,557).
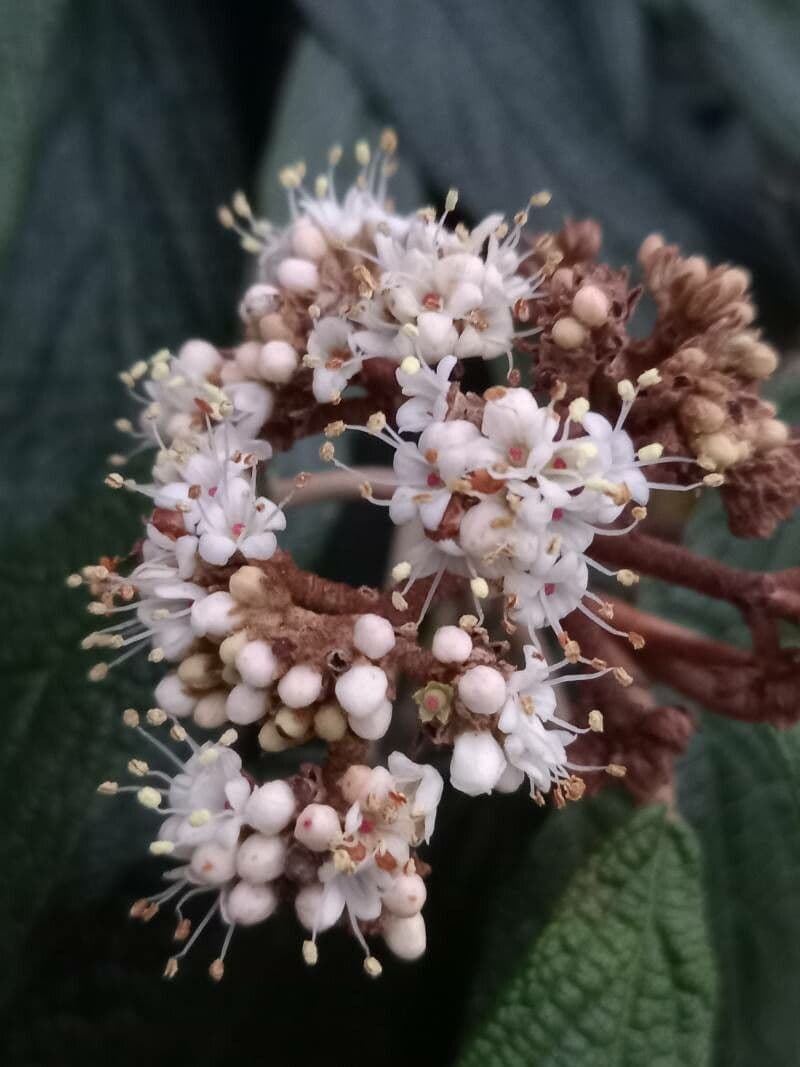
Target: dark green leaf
(622,974)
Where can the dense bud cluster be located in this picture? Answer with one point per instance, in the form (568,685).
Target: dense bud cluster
(358,322)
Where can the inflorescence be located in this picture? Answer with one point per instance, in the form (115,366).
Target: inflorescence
(360,322)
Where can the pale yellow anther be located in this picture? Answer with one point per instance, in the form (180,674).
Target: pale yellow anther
(108,789)
(156,716)
(310,953)
(98,672)
(327,452)
(159,372)
(241,205)
(334,155)
(73,581)
(320,186)
(376,422)
(207,757)
(373,967)
(596,721)
(399,602)
(228,738)
(177,732)
(156,655)
(401,571)
(138,768)
(130,717)
(410,365)
(123,425)
(335,429)
(451,199)
(480,588)
(225,217)
(541,199)
(114,480)
(650,453)
(627,578)
(578,409)
(648,378)
(616,770)
(409,329)
(126,379)
(468,622)
(162,848)
(714,481)
(626,390)
(149,797)
(200,817)
(388,141)
(289,177)
(362,153)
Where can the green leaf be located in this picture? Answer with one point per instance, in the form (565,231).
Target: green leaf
(61,733)
(740,788)
(622,976)
(118,251)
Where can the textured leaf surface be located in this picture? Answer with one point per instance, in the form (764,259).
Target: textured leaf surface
(740,789)
(622,975)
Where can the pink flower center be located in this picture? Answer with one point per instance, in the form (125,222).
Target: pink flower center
(516,454)
(558,514)
(432,301)
(237,528)
(367,826)
(549,588)
(431,702)
(212,491)
(434,481)
(559,464)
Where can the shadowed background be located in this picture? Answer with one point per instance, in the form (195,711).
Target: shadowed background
(123,125)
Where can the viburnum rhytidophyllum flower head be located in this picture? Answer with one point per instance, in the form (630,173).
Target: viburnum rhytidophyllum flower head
(512,499)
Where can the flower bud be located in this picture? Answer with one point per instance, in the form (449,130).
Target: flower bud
(258,301)
(246,358)
(231,646)
(256,663)
(294,723)
(300,686)
(277,362)
(298,275)
(405,895)
(247,904)
(199,671)
(482,690)
(373,726)
(271,740)
(354,781)
(568,333)
(590,305)
(451,644)
(362,689)
(210,710)
(213,616)
(309,910)
(173,697)
(373,635)
(270,807)
(211,864)
(199,359)
(308,241)
(477,763)
(317,827)
(510,780)
(246,705)
(330,723)
(405,937)
(249,586)
(260,858)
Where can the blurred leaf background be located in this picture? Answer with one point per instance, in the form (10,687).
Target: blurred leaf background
(597,936)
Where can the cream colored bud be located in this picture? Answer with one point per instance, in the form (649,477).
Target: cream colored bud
(719,449)
(770,433)
(249,586)
(591,306)
(410,365)
(232,646)
(759,362)
(330,723)
(200,670)
(480,588)
(568,333)
(294,723)
(270,740)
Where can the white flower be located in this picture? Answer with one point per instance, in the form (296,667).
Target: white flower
(206,800)
(422,786)
(427,391)
(335,363)
(477,763)
(549,591)
(522,433)
(536,750)
(235,520)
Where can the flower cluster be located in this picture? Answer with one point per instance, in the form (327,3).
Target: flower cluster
(504,495)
